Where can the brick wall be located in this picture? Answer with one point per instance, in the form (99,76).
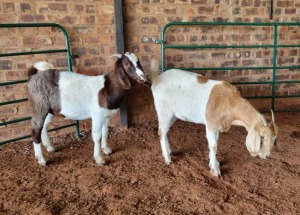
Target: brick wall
(90,25)
(145,18)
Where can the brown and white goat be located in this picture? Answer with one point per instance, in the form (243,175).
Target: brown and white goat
(190,97)
(78,97)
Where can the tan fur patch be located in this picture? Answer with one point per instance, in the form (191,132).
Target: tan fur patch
(159,133)
(202,79)
(225,105)
(61,116)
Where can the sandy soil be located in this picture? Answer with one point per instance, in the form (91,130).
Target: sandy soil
(137,181)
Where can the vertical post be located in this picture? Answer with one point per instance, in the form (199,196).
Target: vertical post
(274,66)
(163,67)
(271,9)
(120,49)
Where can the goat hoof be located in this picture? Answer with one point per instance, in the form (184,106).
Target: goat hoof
(107,151)
(101,163)
(168,162)
(215,172)
(43,163)
(50,149)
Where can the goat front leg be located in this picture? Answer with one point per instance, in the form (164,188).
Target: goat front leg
(212,138)
(96,134)
(104,146)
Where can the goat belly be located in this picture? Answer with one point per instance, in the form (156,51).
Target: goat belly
(182,94)
(79,95)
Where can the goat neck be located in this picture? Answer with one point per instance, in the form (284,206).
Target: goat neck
(118,78)
(116,83)
(246,115)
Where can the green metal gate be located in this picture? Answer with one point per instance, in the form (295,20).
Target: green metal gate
(274,46)
(69,60)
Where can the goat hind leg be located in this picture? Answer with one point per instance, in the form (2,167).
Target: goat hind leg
(164,125)
(37,124)
(45,138)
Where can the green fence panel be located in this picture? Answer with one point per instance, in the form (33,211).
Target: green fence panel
(69,60)
(274,46)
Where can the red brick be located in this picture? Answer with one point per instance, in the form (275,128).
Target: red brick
(40,18)
(285,3)
(79,8)
(25,7)
(90,9)
(27,18)
(28,41)
(247,3)
(94,61)
(57,7)
(5,64)
(90,20)
(8,7)
(199,2)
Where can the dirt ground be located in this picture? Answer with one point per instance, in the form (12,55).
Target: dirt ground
(137,181)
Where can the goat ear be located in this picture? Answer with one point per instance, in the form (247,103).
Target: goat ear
(265,123)
(122,78)
(253,141)
(117,55)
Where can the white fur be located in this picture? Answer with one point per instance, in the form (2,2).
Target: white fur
(83,91)
(38,154)
(43,66)
(178,95)
(80,90)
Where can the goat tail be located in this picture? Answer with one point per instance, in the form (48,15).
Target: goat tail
(43,66)
(154,66)
(39,66)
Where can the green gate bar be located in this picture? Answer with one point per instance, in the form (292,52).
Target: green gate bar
(274,66)
(69,60)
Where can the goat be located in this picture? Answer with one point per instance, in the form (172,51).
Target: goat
(78,97)
(191,97)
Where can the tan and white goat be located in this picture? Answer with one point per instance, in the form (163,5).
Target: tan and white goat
(191,97)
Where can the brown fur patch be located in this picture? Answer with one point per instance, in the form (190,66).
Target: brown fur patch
(201,79)
(225,105)
(32,71)
(44,97)
(115,84)
(111,95)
